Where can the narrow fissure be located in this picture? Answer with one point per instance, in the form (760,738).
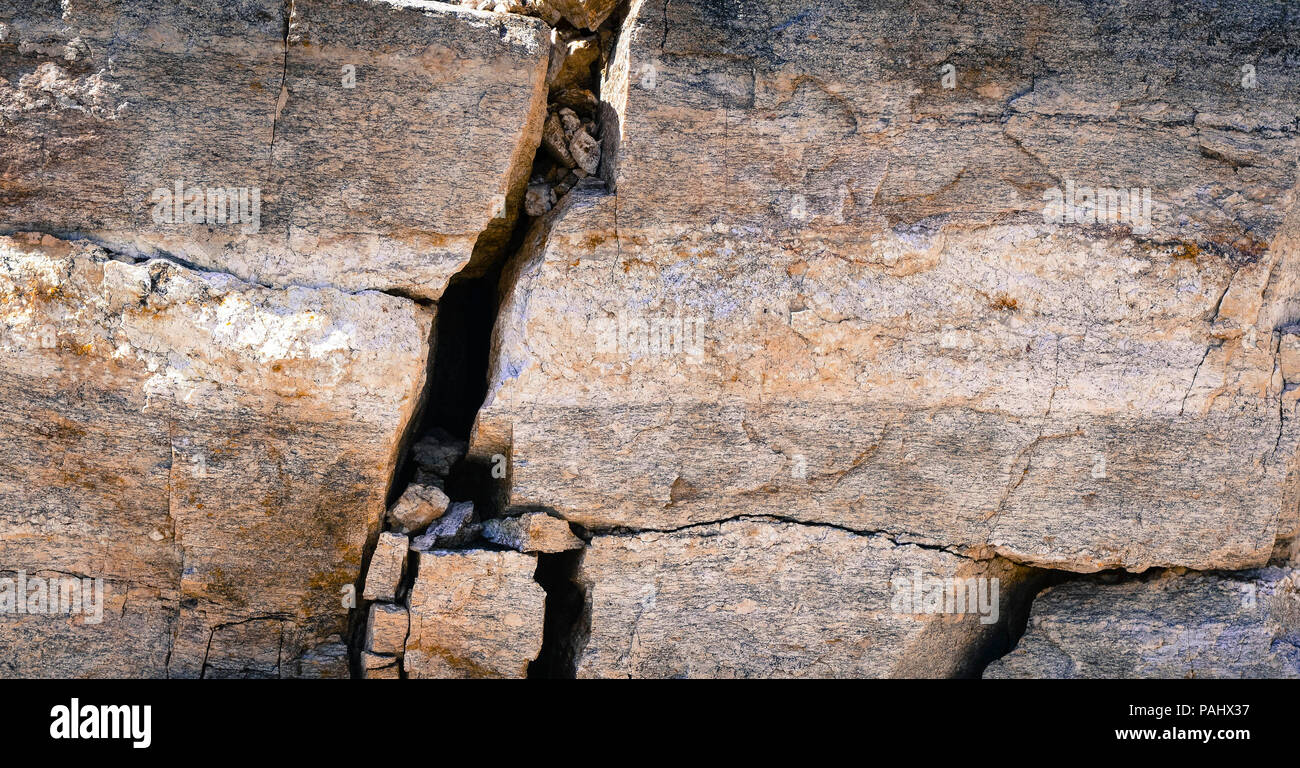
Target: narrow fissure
(460,359)
(568,616)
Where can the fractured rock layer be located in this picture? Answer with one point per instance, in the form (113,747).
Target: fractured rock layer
(217,452)
(754,598)
(381,140)
(833,295)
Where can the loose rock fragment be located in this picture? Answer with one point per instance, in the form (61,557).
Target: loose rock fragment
(387,564)
(532,532)
(418,506)
(386,629)
(375,666)
(456,528)
(580,100)
(539,199)
(585,151)
(437,452)
(570,120)
(555,142)
(474,614)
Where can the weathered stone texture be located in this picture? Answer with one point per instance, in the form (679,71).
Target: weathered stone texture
(1176,625)
(384,137)
(878,328)
(532,532)
(217,452)
(474,613)
(387,628)
(754,598)
(387,566)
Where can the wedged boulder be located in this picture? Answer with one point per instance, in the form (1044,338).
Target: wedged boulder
(1175,625)
(840,294)
(759,598)
(386,629)
(217,452)
(371,148)
(387,566)
(474,613)
(532,532)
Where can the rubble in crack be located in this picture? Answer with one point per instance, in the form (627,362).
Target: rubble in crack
(458,609)
(1171,625)
(532,532)
(571,146)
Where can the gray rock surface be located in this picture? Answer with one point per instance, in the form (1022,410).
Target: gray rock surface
(457,528)
(1177,625)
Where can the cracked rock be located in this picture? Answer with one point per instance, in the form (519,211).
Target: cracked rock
(751,598)
(532,532)
(418,506)
(394,198)
(387,566)
(859,300)
(214,421)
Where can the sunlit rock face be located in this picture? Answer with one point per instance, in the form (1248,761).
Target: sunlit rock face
(848,294)
(321,142)
(817,338)
(217,453)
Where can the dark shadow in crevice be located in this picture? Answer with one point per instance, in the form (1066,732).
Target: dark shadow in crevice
(568,616)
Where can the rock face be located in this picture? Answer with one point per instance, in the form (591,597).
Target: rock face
(1178,625)
(370,148)
(818,334)
(842,295)
(474,614)
(752,598)
(217,452)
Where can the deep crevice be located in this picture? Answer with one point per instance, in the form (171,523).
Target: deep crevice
(568,617)
(460,359)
